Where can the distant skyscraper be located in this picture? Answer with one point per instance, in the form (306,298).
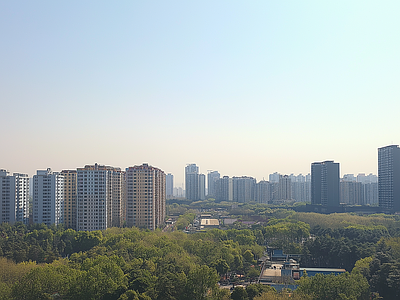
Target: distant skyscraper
(351,192)
(371,193)
(263,194)
(244,189)
(349,178)
(48,197)
(169,185)
(389,177)
(325,183)
(145,196)
(308,177)
(195,183)
(192,182)
(179,192)
(316,175)
(293,178)
(274,177)
(301,189)
(285,188)
(224,189)
(301,178)
(212,177)
(202,186)
(14,192)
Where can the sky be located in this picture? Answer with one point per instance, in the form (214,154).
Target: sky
(247,88)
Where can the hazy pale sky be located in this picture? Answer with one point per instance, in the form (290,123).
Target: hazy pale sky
(242,87)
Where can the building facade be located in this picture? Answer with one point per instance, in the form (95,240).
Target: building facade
(146,194)
(389,177)
(244,189)
(169,185)
(351,192)
(224,189)
(285,188)
(192,182)
(202,186)
(48,197)
(263,194)
(301,188)
(195,183)
(212,178)
(100,197)
(14,193)
(69,198)
(325,178)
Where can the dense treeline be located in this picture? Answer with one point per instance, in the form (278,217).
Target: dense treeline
(122,263)
(127,263)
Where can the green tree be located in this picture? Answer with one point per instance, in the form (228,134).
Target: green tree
(254,290)
(239,293)
(331,287)
(42,282)
(100,276)
(201,279)
(221,266)
(362,266)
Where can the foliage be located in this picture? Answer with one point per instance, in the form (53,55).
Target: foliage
(254,290)
(184,220)
(239,293)
(40,262)
(284,295)
(331,287)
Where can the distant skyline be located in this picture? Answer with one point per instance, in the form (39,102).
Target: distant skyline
(244,88)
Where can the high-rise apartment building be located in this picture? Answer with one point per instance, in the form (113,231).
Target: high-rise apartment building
(48,197)
(145,186)
(274,177)
(192,182)
(359,190)
(285,188)
(195,183)
(351,192)
(389,177)
(100,196)
(212,178)
(179,192)
(14,195)
(371,193)
(224,189)
(169,184)
(117,201)
(301,188)
(325,178)
(370,178)
(243,189)
(263,194)
(69,198)
(316,175)
(274,191)
(202,186)
(349,178)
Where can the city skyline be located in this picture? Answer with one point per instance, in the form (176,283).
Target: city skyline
(182,184)
(246,89)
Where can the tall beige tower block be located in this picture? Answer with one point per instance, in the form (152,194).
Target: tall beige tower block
(69,198)
(145,194)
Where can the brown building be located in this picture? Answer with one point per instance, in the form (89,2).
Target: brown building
(69,198)
(145,196)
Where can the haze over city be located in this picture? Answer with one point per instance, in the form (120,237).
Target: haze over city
(242,88)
